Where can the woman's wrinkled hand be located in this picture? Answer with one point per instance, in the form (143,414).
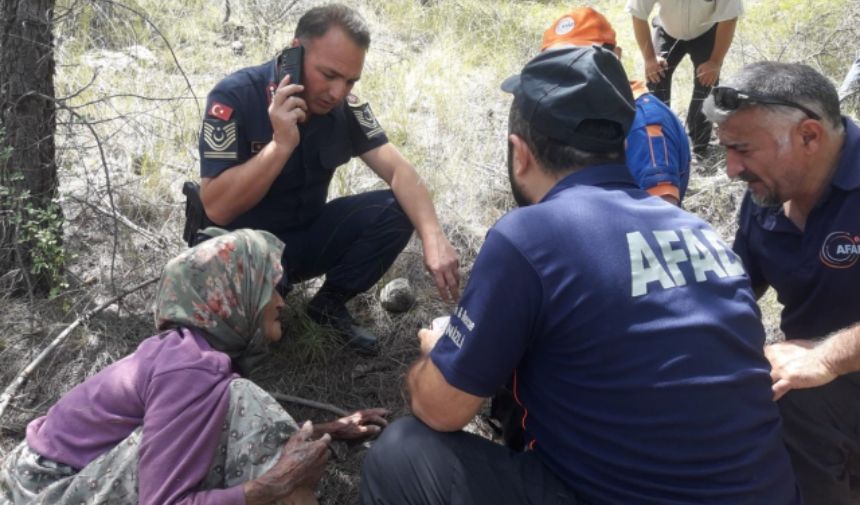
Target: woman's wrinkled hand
(301,465)
(359,425)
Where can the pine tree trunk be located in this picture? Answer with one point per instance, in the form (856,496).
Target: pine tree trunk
(29,219)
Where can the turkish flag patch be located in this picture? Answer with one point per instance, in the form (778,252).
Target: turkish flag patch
(221,111)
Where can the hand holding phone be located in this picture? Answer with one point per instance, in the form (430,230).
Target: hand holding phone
(287,109)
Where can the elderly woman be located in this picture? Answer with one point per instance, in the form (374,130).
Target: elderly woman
(172,423)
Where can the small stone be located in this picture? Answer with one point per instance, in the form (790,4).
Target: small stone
(238,47)
(397,296)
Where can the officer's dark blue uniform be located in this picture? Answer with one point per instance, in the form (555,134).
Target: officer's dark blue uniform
(354,239)
(815,273)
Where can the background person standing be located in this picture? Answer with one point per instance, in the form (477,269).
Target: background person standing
(702,29)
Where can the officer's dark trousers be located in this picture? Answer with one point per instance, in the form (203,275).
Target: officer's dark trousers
(412,464)
(674,50)
(821,427)
(353,242)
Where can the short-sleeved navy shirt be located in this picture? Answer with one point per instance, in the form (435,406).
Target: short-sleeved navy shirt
(636,346)
(815,272)
(237,127)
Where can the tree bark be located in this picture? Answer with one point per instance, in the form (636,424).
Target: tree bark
(28,171)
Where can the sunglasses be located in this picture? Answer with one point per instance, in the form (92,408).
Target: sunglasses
(731,99)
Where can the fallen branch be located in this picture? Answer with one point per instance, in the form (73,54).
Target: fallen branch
(150,235)
(19,380)
(307,403)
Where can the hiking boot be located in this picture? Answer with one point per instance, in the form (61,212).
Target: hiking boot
(326,312)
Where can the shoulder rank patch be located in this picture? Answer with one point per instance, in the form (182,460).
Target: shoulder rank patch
(219,139)
(364,115)
(221,111)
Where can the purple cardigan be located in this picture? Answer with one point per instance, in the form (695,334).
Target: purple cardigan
(177,387)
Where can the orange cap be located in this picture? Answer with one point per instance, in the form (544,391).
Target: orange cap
(580,27)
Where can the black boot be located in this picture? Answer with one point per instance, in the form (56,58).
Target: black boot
(328,308)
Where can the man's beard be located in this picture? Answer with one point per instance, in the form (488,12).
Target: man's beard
(768,199)
(519,196)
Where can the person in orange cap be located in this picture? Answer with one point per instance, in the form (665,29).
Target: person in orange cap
(658,151)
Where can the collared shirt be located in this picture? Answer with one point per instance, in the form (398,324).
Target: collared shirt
(815,272)
(636,346)
(687,19)
(658,150)
(237,127)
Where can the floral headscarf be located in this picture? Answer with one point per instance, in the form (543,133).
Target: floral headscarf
(221,286)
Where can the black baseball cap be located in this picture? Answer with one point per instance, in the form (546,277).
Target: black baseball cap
(579,96)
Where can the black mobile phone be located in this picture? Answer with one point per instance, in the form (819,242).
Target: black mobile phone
(290,61)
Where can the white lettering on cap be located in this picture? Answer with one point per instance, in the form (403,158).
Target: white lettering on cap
(564,26)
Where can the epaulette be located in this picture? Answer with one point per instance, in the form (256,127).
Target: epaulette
(364,115)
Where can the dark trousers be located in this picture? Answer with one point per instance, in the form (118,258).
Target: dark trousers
(674,50)
(821,427)
(353,242)
(412,464)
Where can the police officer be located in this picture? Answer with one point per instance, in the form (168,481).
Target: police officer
(269,148)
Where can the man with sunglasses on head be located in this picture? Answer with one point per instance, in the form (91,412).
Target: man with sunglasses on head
(799,232)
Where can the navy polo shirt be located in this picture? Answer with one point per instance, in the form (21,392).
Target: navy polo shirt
(237,127)
(815,272)
(635,343)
